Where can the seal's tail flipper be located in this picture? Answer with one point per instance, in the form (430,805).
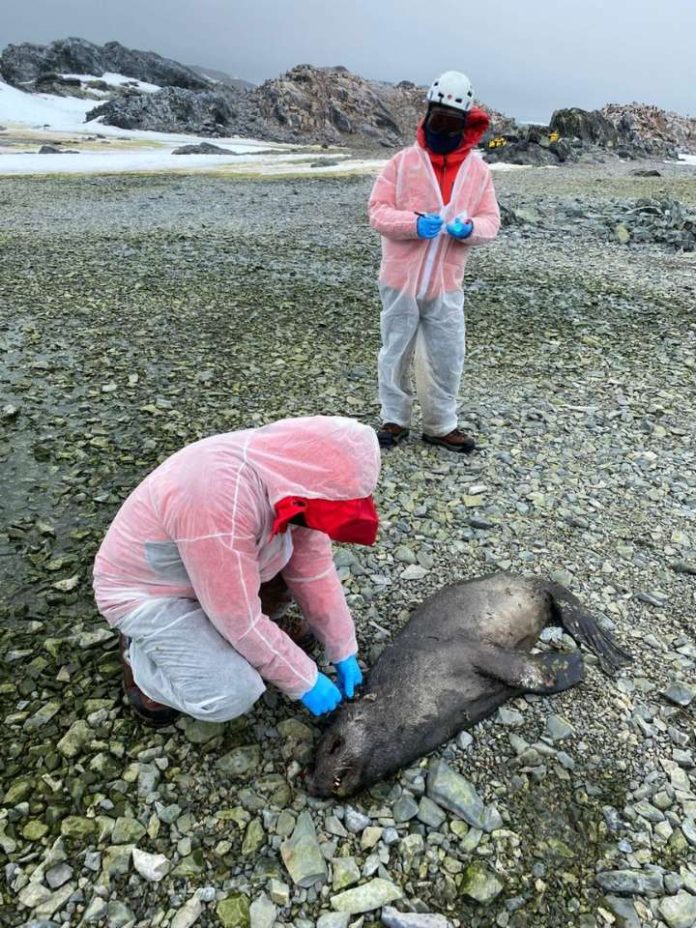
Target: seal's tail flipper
(583,627)
(532,673)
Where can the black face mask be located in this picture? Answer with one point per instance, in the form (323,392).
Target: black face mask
(442,143)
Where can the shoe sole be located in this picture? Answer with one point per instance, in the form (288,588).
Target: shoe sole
(458,449)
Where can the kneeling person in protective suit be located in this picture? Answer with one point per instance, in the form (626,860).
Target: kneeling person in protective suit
(219,529)
(431,203)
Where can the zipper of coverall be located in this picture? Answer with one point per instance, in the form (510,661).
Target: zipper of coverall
(436,242)
(434,245)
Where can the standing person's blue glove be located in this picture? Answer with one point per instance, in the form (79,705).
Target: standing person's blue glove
(459,229)
(349,675)
(428,226)
(323,697)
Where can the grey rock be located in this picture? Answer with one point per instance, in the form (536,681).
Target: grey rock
(152,867)
(346,872)
(75,739)
(680,694)
(688,827)
(392,918)
(302,855)
(630,882)
(333,920)
(405,808)
(366,898)
(430,813)
(262,912)
(413,572)
(118,914)
(203,148)
(355,821)
(189,913)
(510,717)
(679,911)
(240,763)
(453,792)
(58,875)
(624,911)
(95,911)
(558,728)
(464,740)
(480,883)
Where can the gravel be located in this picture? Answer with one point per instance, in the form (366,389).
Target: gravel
(140,313)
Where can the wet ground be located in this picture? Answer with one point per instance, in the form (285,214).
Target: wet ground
(138,314)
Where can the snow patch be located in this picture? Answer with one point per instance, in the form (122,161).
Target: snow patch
(115,80)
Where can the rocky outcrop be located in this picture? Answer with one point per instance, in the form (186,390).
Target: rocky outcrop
(171,110)
(575,134)
(23,65)
(587,125)
(650,124)
(307,104)
(621,134)
(330,104)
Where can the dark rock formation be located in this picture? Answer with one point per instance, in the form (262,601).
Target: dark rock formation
(588,126)
(22,65)
(202,148)
(170,110)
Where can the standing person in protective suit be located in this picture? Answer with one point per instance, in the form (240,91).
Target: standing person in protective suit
(194,561)
(431,203)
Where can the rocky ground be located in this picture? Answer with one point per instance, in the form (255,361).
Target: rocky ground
(141,313)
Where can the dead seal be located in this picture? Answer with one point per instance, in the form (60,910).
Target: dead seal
(464,651)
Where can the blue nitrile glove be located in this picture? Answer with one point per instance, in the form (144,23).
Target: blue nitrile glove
(459,229)
(428,226)
(349,675)
(323,697)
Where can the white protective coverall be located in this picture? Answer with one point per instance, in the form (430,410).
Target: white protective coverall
(180,567)
(420,281)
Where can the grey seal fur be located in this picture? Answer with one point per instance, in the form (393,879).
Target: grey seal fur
(464,651)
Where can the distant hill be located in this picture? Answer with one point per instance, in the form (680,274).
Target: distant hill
(308,104)
(26,64)
(236,83)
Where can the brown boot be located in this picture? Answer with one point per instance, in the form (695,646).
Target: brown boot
(456,440)
(154,713)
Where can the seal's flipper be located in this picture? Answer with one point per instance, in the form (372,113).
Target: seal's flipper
(532,673)
(583,627)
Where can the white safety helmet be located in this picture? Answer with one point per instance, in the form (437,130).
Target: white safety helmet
(452,89)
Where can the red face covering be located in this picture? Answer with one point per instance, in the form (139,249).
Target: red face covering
(352,520)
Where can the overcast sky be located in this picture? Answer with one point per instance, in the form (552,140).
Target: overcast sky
(525,57)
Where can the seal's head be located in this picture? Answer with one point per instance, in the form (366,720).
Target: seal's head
(345,753)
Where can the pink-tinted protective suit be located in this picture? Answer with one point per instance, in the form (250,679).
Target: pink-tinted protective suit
(427,268)
(198,529)
(420,281)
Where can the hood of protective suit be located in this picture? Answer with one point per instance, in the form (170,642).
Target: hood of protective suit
(477,122)
(315,457)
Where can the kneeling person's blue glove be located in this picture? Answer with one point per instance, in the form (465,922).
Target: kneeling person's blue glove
(428,226)
(349,675)
(459,229)
(323,697)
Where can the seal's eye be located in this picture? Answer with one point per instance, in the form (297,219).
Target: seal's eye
(337,782)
